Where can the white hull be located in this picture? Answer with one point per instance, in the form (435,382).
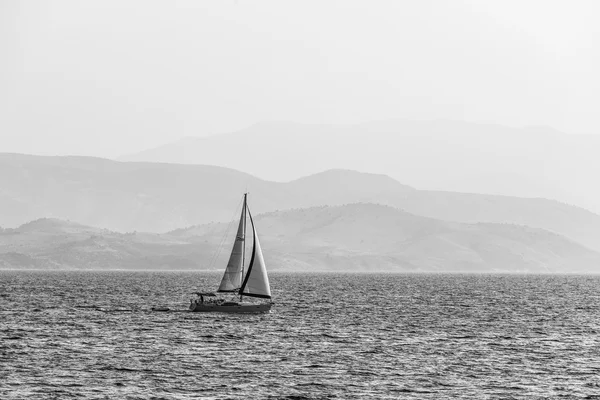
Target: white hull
(238,308)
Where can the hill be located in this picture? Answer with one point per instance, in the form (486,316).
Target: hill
(156,197)
(436,155)
(55,244)
(366,237)
(357,237)
(120,196)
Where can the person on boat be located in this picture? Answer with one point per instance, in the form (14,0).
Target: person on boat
(201,299)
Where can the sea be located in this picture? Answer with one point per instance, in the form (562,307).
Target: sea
(93,335)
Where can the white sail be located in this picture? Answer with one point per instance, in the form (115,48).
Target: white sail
(256,283)
(232,278)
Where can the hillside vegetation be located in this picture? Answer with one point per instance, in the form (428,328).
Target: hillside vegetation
(356,237)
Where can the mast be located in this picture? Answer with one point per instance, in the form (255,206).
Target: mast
(244,248)
(244,208)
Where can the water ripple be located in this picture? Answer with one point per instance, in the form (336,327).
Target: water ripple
(93,336)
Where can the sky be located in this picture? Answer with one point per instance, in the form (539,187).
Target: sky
(106,78)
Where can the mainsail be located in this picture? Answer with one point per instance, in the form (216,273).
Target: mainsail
(256,283)
(232,278)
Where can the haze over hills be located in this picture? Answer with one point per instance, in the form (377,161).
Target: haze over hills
(158,197)
(56,244)
(436,155)
(120,196)
(356,237)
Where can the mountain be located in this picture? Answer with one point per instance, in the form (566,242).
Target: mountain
(367,237)
(49,243)
(156,197)
(435,155)
(575,223)
(120,196)
(336,186)
(356,237)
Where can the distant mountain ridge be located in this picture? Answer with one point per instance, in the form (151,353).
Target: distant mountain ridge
(355,237)
(49,243)
(157,197)
(434,155)
(365,235)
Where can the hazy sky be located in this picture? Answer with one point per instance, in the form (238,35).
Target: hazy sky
(107,78)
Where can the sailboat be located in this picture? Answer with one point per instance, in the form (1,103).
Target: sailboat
(252,281)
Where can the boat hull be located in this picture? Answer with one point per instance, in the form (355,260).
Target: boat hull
(238,308)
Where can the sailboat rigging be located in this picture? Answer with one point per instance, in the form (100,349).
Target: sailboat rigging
(250,282)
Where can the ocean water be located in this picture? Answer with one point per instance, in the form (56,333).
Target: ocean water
(91,335)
